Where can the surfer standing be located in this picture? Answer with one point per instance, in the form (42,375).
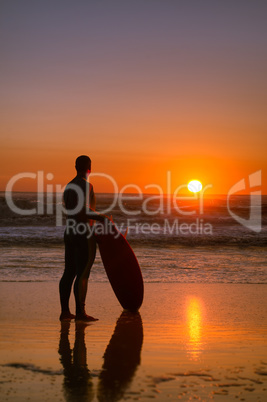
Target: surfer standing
(79,239)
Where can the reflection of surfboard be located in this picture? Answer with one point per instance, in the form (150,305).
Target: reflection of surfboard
(121,266)
(121,358)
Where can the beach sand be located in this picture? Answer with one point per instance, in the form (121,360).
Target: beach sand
(190,341)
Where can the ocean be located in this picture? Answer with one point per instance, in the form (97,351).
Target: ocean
(175,240)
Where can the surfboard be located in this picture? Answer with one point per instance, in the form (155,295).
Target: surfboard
(121,266)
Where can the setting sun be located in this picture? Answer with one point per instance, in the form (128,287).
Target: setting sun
(194,186)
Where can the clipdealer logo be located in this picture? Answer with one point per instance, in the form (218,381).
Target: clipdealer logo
(46,205)
(254,221)
(50,200)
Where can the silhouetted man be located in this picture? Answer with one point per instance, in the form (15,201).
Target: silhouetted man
(79,239)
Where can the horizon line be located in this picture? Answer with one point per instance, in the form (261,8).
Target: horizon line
(136,194)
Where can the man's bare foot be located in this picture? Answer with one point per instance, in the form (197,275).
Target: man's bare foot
(85,318)
(66,316)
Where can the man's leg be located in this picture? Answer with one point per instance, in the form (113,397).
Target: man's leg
(67,279)
(85,257)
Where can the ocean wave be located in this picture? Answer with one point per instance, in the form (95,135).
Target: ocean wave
(215,210)
(46,237)
(41,230)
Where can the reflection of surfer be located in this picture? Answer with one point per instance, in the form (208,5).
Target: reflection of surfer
(121,358)
(77,379)
(80,245)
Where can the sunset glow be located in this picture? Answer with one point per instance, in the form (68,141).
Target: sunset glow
(139,100)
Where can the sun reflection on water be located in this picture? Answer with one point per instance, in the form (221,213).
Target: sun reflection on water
(194,313)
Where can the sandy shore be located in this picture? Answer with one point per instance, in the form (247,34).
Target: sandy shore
(189,342)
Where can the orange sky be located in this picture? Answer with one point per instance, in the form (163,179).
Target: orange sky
(142,89)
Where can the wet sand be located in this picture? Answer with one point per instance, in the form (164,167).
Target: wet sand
(190,341)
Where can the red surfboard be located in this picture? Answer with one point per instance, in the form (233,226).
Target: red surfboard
(121,266)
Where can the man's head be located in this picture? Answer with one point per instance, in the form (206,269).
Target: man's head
(83,164)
